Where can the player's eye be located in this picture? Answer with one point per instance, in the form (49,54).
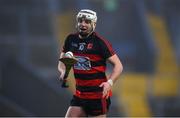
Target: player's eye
(87,21)
(80,20)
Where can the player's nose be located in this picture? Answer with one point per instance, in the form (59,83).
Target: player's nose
(83,23)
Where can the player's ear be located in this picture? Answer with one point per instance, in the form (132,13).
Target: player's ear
(94,26)
(76,26)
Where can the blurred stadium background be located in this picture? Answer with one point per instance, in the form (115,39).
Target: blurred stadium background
(144,33)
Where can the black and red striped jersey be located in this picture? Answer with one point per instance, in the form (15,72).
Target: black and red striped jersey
(89,71)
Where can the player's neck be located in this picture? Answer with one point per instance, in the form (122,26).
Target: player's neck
(84,37)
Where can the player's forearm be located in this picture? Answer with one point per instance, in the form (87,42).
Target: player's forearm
(60,64)
(117,69)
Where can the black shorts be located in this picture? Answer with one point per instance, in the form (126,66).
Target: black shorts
(92,107)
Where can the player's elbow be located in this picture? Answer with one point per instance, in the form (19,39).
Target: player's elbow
(58,68)
(119,67)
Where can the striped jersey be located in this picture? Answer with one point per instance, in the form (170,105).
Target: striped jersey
(89,71)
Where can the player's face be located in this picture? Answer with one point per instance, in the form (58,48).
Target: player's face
(84,26)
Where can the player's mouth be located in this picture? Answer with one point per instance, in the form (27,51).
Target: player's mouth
(83,29)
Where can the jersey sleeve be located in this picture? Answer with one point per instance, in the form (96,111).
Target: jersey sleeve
(106,49)
(66,45)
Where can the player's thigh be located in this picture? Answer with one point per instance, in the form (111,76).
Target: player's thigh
(75,111)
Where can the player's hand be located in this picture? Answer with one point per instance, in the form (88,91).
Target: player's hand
(62,73)
(106,89)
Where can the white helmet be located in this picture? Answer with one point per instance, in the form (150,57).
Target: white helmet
(88,14)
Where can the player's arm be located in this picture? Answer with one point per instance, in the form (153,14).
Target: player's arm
(117,69)
(60,64)
(61,67)
(109,54)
